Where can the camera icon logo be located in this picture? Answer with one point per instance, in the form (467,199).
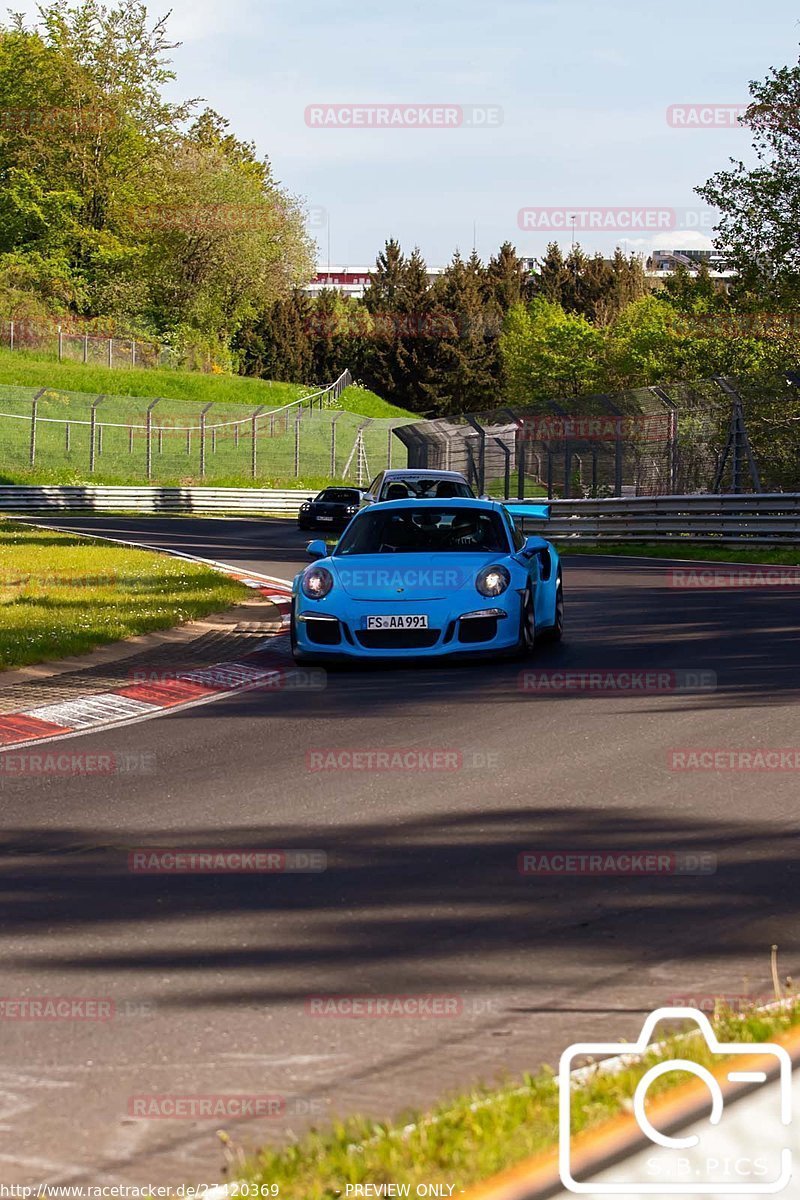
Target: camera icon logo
(689,1164)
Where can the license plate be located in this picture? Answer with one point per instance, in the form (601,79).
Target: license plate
(324,518)
(406,621)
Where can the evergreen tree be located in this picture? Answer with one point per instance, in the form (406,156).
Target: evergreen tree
(506,278)
(469,366)
(550,278)
(279,344)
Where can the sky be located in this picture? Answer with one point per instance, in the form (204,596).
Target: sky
(560,105)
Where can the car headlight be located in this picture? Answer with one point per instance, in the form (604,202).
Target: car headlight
(316,583)
(493,581)
(352,509)
(304,507)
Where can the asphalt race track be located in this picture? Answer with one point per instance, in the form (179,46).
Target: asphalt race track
(212,976)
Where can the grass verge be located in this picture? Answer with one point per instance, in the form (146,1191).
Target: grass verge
(477,1135)
(62,595)
(22,368)
(781,556)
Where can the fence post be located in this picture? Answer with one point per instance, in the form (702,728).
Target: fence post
(203,439)
(92,431)
(133,352)
(481,472)
(189,440)
(297,446)
(389,445)
(66,438)
(11,339)
(60,344)
(100,439)
(507,468)
(333,444)
(130,440)
(149,451)
(85,348)
(111,352)
(254,455)
(618,459)
(34,407)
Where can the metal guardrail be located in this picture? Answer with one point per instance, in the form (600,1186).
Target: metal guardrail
(152,500)
(708,518)
(758,519)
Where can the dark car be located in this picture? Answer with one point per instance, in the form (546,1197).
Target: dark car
(333,508)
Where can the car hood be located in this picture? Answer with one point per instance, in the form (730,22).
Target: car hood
(411,577)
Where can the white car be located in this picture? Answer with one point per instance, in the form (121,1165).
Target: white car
(408,484)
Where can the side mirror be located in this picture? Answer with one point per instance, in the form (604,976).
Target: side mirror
(533,546)
(317,549)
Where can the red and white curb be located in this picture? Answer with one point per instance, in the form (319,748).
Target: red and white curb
(265,668)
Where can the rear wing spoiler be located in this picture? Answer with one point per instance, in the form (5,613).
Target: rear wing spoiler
(528,510)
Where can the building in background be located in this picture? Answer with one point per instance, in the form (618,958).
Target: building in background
(354,281)
(666,262)
(350,281)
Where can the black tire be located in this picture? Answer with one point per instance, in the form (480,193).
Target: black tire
(554,633)
(297,654)
(527,626)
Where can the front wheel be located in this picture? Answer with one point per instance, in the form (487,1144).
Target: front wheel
(297,654)
(527,626)
(555,632)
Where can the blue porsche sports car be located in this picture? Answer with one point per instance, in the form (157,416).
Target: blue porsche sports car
(428,578)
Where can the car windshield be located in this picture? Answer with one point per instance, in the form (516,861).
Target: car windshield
(427,489)
(425,531)
(339,495)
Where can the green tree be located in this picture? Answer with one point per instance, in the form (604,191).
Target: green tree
(278,344)
(550,353)
(98,172)
(759,206)
(469,359)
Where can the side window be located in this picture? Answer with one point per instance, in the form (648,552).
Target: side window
(375,486)
(517,536)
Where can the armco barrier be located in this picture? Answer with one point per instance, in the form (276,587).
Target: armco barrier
(710,518)
(755,519)
(153,500)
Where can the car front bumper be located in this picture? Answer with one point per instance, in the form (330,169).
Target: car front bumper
(337,630)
